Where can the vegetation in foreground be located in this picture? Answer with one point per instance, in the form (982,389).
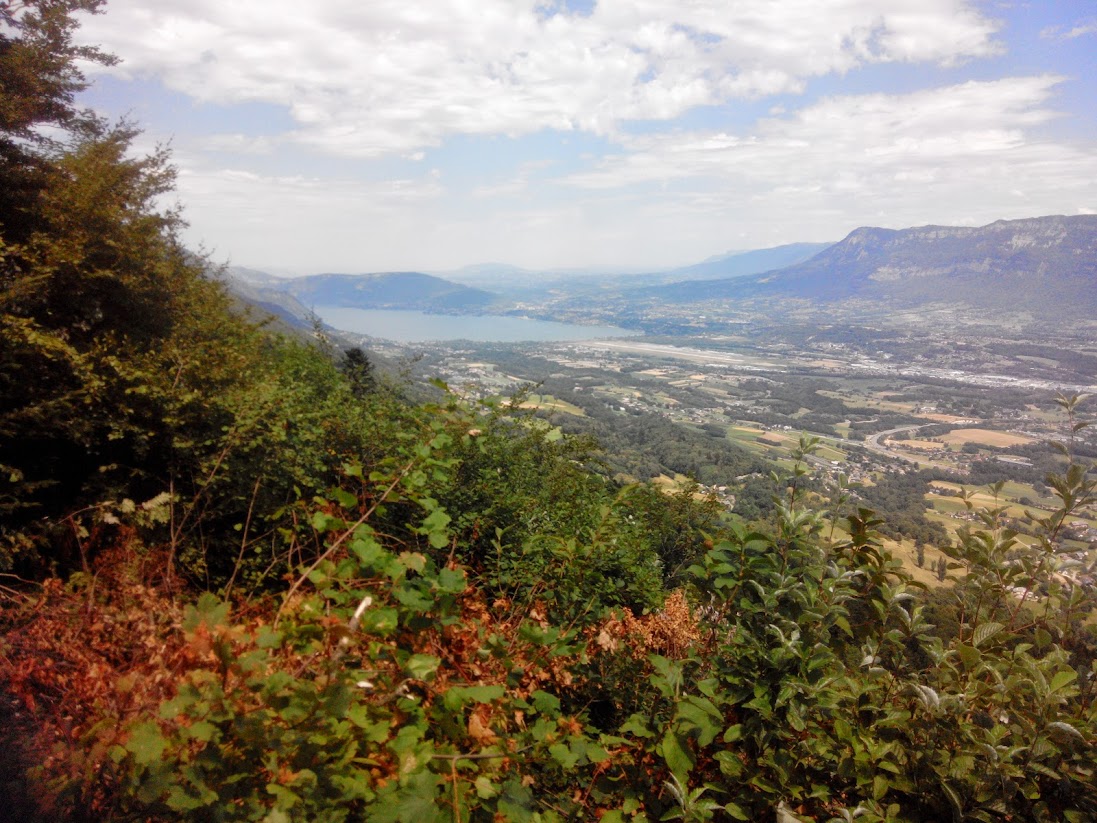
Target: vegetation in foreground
(246,580)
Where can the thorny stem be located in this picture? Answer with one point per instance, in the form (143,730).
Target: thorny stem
(243,537)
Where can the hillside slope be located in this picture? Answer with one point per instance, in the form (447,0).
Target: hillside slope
(387,290)
(1045,266)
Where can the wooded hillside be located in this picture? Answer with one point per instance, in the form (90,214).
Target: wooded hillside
(244,578)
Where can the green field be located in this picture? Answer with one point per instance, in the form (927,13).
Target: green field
(546,402)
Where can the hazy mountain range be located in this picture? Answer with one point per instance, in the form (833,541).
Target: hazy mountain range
(1038,268)
(1044,263)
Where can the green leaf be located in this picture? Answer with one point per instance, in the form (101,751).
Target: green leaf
(412,561)
(146,743)
(416,800)
(322,522)
(733,733)
(209,609)
(422,666)
(268,638)
(459,696)
(367,550)
(1061,679)
(677,757)
(985,632)
(202,730)
(564,755)
(344,498)
(485,789)
(736,811)
(879,787)
(700,715)
(379,621)
(435,527)
(545,703)
(969,655)
(452,580)
(636,725)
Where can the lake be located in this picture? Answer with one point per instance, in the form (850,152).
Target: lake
(420,327)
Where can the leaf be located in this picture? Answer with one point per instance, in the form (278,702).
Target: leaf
(412,561)
(563,755)
(636,725)
(704,718)
(422,666)
(452,580)
(379,621)
(736,811)
(676,756)
(733,733)
(367,550)
(479,730)
(146,743)
(969,655)
(879,787)
(434,526)
(985,632)
(1061,679)
(485,789)
(928,696)
(202,730)
(1065,729)
(545,703)
(459,696)
(344,498)
(416,800)
(785,814)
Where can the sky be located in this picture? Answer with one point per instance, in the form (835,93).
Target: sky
(381,135)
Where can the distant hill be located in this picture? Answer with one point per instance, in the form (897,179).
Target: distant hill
(263,292)
(387,290)
(405,290)
(1044,267)
(602,283)
(742,263)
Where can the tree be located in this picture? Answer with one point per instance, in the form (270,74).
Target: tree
(359,370)
(39,80)
(114,341)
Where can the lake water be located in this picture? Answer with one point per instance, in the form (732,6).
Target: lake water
(420,327)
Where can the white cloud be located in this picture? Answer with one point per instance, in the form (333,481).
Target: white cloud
(363,79)
(237,144)
(957,155)
(1079,29)
(299,221)
(934,131)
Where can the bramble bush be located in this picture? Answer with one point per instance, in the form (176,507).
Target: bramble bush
(798,678)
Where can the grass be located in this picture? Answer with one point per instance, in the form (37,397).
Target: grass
(918,445)
(985,437)
(546,402)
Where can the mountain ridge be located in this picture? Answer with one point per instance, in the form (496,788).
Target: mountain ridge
(1043,264)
